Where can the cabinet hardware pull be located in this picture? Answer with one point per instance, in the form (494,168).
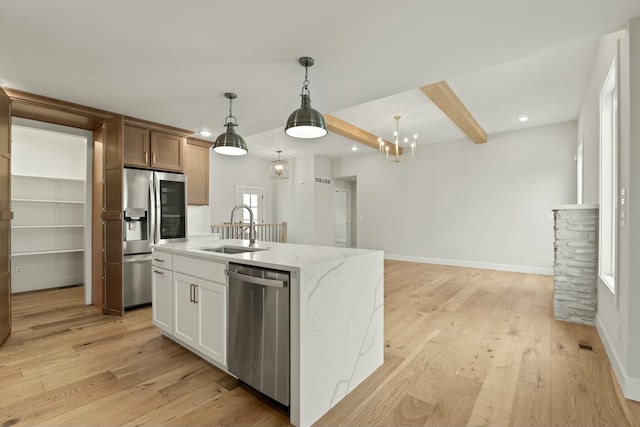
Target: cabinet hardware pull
(158,260)
(153,156)
(158,272)
(191,293)
(146,157)
(195,294)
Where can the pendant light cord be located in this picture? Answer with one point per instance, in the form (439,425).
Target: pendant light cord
(227,121)
(305,84)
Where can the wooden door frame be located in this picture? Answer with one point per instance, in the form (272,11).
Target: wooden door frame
(112,217)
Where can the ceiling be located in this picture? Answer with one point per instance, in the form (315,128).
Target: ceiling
(171,62)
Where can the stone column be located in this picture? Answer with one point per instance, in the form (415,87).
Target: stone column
(575,263)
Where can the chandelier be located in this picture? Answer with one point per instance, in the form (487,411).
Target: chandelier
(394,152)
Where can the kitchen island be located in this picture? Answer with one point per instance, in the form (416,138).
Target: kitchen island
(336,312)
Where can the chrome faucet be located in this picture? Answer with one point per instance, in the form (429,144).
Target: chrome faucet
(252,232)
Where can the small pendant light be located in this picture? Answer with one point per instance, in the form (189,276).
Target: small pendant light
(306,122)
(230,143)
(279,168)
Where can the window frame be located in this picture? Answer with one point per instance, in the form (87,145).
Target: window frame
(608,178)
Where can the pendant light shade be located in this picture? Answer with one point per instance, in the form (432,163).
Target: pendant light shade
(230,143)
(279,168)
(305,122)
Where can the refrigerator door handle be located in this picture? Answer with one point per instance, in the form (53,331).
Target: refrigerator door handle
(153,238)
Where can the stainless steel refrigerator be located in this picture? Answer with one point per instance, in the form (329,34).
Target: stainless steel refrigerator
(155,211)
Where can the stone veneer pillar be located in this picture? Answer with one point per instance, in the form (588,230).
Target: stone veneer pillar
(575,264)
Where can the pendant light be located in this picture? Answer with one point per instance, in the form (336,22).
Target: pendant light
(306,122)
(279,168)
(230,143)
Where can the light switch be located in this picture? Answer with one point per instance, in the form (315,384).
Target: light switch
(623,198)
(622,218)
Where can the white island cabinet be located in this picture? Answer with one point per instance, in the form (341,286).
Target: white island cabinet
(190,303)
(162,291)
(336,312)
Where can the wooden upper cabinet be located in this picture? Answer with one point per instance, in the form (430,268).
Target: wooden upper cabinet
(146,148)
(137,146)
(197,171)
(167,151)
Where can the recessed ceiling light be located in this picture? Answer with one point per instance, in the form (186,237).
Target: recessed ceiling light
(205,133)
(354,148)
(523,119)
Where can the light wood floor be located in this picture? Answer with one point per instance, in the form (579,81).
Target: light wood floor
(463,347)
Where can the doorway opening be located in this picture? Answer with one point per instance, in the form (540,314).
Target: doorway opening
(342,215)
(51,197)
(345,211)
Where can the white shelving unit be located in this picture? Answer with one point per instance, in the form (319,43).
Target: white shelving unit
(47,232)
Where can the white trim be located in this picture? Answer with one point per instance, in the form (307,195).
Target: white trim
(630,386)
(609,140)
(548,271)
(633,389)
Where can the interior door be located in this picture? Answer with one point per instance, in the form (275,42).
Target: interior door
(5,216)
(97,202)
(254,198)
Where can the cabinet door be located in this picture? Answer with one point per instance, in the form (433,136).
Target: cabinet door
(136,146)
(167,151)
(197,170)
(212,317)
(185,321)
(162,299)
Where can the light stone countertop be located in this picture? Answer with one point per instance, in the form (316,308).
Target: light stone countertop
(288,256)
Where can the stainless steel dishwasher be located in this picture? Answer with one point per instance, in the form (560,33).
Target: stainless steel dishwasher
(259,329)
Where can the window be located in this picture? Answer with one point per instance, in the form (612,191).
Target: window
(608,179)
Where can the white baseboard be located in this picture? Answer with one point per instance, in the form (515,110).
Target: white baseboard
(630,386)
(473,264)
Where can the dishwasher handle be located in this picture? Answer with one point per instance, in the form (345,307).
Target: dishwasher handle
(258,280)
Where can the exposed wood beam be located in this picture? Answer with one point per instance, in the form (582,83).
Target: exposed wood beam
(350,131)
(441,94)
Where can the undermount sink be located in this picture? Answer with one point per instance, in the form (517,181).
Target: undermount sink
(232,249)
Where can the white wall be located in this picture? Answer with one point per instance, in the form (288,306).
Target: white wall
(617,317)
(306,205)
(46,153)
(198,220)
(324,225)
(294,200)
(460,203)
(226,173)
(630,178)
